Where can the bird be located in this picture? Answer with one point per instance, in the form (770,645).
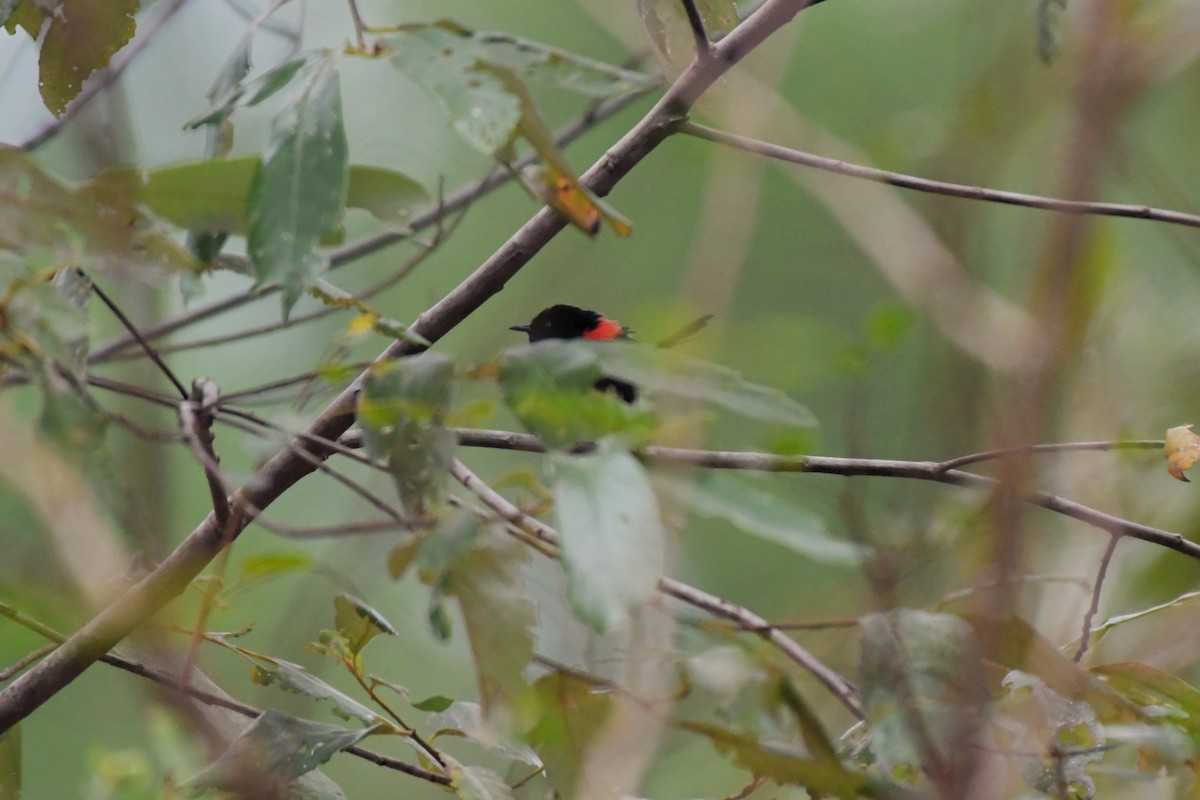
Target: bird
(571,322)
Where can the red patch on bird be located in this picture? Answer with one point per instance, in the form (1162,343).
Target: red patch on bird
(605,329)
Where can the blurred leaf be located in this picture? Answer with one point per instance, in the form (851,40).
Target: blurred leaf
(549,386)
(46,222)
(436,703)
(888,324)
(358,622)
(295,678)
(242,95)
(478,783)
(919,683)
(402,409)
(276,749)
(1181,447)
(82,37)
(674,373)
(68,416)
(269,565)
(1049,36)
(6,10)
(402,555)
(447,544)
(368,319)
(500,619)
(780,762)
(761,514)
(613,543)
(572,715)
(1161,696)
(667,24)
(541,63)
(462,718)
(10,764)
(299,193)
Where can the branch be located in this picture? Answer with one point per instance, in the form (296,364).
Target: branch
(171,577)
(1105,560)
(743,618)
(849,467)
(937,187)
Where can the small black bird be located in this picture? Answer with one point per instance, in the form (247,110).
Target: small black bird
(568,322)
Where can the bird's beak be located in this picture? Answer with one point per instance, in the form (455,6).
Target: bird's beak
(520,328)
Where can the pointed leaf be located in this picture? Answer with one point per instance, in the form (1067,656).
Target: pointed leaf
(241,95)
(275,750)
(299,194)
(613,543)
(358,622)
(295,678)
(82,37)
(761,514)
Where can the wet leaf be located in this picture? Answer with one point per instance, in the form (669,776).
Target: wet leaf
(613,542)
(82,37)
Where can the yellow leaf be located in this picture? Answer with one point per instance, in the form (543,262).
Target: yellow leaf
(1182,448)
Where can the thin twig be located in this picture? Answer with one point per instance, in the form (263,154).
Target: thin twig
(127,323)
(745,619)
(958,190)
(1105,560)
(1056,447)
(24,661)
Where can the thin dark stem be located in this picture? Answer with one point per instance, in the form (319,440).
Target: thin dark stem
(1105,560)
(1057,447)
(127,323)
(697,25)
(958,190)
(359,27)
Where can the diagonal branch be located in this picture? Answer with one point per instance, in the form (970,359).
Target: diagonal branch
(280,473)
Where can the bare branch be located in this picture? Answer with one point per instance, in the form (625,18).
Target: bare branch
(1057,447)
(1105,560)
(938,187)
(133,331)
(196,420)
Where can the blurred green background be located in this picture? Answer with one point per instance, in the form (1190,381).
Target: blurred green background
(812,290)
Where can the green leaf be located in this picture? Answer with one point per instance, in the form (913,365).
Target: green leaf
(28,16)
(571,716)
(10,764)
(761,514)
(402,408)
(242,95)
(269,565)
(919,672)
(358,622)
(674,373)
(436,703)
(549,386)
(1161,696)
(1185,600)
(47,223)
(780,762)
(613,542)
(276,749)
(299,194)
(462,718)
(7,7)
(82,37)
(387,195)
(295,678)
(481,109)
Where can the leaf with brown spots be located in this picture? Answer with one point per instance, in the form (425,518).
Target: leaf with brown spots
(82,38)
